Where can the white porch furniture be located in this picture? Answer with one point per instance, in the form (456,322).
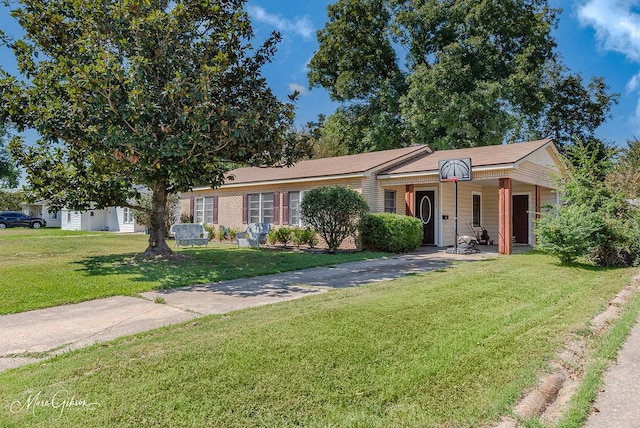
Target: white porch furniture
(190,234)
(254,235)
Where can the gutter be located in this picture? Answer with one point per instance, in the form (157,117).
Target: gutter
(283,181)
(433,172)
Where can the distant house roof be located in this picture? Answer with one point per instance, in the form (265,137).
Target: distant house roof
(336,167)
(485,156)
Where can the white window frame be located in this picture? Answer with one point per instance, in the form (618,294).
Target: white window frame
(473,213)
(260,207)
(203,210)
(293,209)
(393,207)
(127,215)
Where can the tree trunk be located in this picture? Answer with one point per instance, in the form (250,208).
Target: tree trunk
(157,233)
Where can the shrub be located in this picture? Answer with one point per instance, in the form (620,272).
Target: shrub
(621,244)
(334,212)
(232,233)
(284,235)
(211,229)
(569,232)
(271,237)
(304,237)
(281,235)
(390,232)
(223,233)
(596,222)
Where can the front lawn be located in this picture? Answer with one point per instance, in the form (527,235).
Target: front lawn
(453,348)
(50,267)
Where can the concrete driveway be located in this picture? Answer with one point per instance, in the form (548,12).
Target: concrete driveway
(36,335)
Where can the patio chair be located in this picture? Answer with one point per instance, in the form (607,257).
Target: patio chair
(254,235)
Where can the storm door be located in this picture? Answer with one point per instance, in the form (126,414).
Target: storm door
(425,210)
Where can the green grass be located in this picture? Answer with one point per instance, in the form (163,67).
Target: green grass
(451,348)
(51,267)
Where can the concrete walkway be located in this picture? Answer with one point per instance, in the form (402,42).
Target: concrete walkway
(35,335)
(618,403)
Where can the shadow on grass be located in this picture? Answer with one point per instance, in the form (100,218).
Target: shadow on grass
(193,267)
(205,268)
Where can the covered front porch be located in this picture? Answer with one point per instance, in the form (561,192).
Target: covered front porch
(507,209)
(504,193)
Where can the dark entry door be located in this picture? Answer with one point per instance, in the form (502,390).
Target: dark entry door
(521,218)
(426,211)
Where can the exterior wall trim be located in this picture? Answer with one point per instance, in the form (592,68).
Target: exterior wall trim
(423,173)
(278,182)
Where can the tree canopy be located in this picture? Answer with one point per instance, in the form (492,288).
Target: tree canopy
(8,171)
(165,94)
(625,176)
(450,74)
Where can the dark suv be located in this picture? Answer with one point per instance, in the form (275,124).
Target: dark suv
(15,219)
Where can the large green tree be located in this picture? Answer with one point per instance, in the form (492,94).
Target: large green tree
(11,201)
(8,171)
(573,110)
(165,94)
(462,74)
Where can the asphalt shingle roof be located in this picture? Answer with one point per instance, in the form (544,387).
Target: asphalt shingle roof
(408,160)
(315,168)
(506,154)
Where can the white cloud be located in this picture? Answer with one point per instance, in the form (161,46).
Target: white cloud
(634,121)
(617,24)
(301,26)
(633,84)
(297,87)
(617,27)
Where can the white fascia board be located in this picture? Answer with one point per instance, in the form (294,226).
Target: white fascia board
(408,174)
(423,173)
(287,181)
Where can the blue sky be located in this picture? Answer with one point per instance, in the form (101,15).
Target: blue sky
(595,38)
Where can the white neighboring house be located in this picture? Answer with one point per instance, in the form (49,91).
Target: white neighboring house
(112,219)
(41,209)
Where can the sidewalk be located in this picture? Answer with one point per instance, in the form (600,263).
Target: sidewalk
(36,335)
(618,403)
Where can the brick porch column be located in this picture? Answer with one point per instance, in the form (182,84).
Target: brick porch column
(409,200)
(505,217)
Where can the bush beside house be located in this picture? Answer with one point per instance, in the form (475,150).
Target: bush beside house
(297,236)
(390,232)
(595,221)
(569,232)
(334,212)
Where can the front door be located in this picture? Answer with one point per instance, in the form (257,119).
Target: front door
(425,210)
(521,219)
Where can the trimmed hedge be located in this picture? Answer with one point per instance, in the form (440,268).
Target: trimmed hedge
(390,232)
